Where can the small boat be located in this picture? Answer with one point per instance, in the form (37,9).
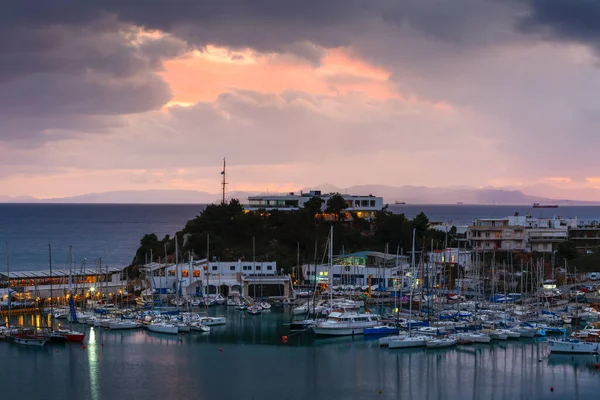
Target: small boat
(265,305)
(211,321)
(29,338)
(71,335)
(220,299)
(476,337)
(439,343)
(124,324)
(408,341)
(163,327)
(199,327)
(254,310)
(241,307)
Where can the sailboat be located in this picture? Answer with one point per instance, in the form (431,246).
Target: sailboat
(407,341)
(342,323)
(573,345)
(60,334)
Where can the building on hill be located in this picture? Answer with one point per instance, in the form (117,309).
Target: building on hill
(520,233)
(362,206)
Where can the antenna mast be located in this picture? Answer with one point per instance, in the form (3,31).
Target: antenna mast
(223,183)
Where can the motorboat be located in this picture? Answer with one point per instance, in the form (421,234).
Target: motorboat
(345,323)
(71,335)
(385,341)
(265,305)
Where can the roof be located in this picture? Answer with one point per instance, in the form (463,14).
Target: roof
(56,273)
(368,253)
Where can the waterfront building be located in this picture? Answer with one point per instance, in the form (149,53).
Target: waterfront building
(359,269)
(30,285)
(228,278)
(362,206)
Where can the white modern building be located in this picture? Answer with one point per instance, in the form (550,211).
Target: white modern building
(451,256)
(228,278)
(362,206)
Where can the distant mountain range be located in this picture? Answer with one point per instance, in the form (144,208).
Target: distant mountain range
(391,194)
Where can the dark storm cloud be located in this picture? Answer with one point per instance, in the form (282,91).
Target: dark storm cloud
(565,19)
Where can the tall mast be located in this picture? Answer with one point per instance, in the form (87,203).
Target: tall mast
(51,309)
(223,183)
(8,279)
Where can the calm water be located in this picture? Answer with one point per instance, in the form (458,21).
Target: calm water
(113,232)
(254,364)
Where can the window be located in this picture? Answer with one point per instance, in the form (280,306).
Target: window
(196,274)
(357,203)
(184,273)
(232,268)
(364,203)
(214,267)
(372,202)
(258,267)
(247,268)
(171,273)
(507,234)
(269,267)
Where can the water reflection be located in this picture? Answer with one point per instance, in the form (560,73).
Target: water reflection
(152,365)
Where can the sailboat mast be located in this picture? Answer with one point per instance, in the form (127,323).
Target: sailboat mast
(51,287)
(412,283)
(223,183)
(8,279)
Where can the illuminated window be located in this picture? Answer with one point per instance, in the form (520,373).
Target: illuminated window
(326,273)
(452,259)
(184,273)
(196,274)
(171,273)
(321,273)
(443,259)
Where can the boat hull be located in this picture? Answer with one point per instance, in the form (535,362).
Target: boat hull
(169,329)
(337,331)
(407,343)
(31,341)
(573,347)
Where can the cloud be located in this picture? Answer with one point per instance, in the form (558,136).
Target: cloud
(572,20)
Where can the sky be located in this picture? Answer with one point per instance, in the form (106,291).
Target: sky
(104,95)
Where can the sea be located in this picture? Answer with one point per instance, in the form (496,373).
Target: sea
(112,232)
(248,357)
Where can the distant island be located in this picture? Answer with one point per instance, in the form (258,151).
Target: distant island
(409,195)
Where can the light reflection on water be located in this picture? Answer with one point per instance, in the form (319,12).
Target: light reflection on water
(254,363)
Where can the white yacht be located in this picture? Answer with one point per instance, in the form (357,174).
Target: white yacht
(163,327)
(345,323)
(572,346)
(408,341)
(476,337)
(124,324)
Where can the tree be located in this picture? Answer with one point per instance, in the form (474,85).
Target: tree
(335,205)
(313,206)
(566,250)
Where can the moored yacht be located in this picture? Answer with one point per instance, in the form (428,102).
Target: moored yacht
(345,323)
(572,346)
